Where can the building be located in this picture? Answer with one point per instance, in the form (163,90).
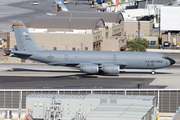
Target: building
(92,107)
(170,25)
(173,38)
(111,19)
(131,28)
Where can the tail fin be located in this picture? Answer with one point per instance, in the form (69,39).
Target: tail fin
(60,6)
(24,40)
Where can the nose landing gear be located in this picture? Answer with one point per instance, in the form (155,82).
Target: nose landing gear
(153,72)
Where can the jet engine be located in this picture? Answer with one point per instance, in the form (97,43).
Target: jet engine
(90,68)
(111,69)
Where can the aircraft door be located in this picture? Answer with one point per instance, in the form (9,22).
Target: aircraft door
(114,57)
(66,56)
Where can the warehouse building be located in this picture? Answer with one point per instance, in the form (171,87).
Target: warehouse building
(92,107)
(65,23)
(108,17)
(131,28)
(114,20)
(111,19)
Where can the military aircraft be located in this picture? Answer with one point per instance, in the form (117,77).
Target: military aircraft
(91,62)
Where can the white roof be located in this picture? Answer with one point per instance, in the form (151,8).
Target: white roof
(121,111)
(102,96)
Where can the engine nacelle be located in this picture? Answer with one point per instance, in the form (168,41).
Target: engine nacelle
(111,69)
(90,68)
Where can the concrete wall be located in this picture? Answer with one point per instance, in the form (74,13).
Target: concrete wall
(131,28)
(105,33)
(110,45)
(96,37)
(113,44)
(59,40)
(115,28)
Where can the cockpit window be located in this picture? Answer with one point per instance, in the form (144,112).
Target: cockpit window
(165,57)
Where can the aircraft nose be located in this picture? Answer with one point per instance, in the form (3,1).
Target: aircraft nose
(171,61)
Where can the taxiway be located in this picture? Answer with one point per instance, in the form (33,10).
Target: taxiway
(23,76)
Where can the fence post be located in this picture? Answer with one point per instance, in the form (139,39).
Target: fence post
(91,91)
(21,95)
(169,101)
(158,101)
(4,99)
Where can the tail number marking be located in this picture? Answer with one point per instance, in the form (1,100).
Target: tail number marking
(114,57)
(66,57)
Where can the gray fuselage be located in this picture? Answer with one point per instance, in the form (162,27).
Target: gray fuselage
(133,60)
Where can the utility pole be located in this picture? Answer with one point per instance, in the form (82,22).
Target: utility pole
(159,36)
(138,29)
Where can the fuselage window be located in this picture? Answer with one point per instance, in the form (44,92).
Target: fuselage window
(73,49)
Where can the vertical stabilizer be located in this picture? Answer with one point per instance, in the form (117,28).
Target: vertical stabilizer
(24,40)
(60,6)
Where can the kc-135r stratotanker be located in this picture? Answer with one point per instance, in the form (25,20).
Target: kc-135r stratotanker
(91,62)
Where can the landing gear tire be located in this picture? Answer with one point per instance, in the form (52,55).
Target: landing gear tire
(153,72)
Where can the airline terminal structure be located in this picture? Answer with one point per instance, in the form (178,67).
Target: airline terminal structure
(91,62)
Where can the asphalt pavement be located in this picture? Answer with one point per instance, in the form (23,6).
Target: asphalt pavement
(23,10)
(39,76)
(74,82)
(42,76)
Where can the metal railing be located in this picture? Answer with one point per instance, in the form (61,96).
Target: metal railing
(167,100)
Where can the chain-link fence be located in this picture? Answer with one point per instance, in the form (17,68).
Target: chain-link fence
(168,101)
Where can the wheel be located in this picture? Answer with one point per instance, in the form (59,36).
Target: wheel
(153,72)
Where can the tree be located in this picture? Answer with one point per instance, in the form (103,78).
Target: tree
(140,44)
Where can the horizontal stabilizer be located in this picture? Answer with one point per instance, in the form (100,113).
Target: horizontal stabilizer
(9,52)
(19,54)
(14,49)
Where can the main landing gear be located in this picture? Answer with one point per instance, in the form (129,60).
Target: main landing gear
(153,72)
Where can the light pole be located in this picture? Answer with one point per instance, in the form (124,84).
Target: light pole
(138,29)
(66,47)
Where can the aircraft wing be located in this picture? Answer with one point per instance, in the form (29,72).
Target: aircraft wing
(77,64)
(120,63)
(21,55)
(70,64)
